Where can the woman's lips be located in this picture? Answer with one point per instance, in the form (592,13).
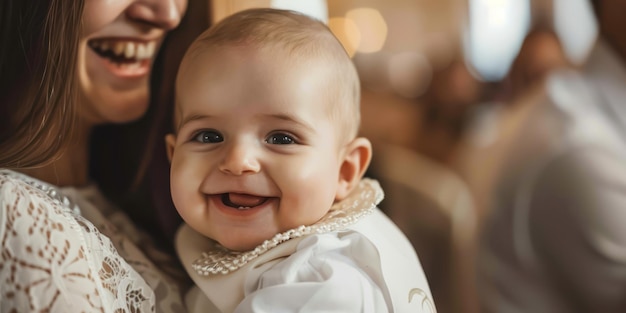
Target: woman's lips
(128,70)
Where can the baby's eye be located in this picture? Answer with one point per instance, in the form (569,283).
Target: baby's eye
(280,139)
(208,136)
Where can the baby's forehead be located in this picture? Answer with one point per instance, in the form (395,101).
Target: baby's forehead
(275,60)
(338,92)
(278,69)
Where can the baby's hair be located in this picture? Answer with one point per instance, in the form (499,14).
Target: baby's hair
(300,36)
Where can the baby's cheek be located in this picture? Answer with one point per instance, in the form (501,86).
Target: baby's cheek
(314,200)
(182,185)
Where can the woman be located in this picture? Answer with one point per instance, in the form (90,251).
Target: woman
(68,67)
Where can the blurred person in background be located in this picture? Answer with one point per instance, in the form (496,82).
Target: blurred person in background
(493,122)
(452,94)
(540,54)
(554,240)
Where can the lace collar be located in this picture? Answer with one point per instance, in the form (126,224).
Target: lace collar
(361,202)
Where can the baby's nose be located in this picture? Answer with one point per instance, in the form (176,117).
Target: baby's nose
(240,160)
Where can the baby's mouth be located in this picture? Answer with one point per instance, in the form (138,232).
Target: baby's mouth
(242,201)
(123,51)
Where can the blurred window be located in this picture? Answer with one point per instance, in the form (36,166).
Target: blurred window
(494,34)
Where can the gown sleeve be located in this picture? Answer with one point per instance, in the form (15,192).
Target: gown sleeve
(321,276)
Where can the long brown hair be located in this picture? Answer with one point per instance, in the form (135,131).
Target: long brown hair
(37,68)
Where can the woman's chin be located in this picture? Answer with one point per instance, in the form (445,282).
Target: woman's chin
(119,110)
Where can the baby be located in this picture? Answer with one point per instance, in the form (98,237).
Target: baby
(266,172)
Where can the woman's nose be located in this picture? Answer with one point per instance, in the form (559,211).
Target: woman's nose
(240,160)
(164,14)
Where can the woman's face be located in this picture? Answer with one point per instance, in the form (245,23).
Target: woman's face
(119,43)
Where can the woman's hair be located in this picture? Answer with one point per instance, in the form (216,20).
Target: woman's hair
(37,90)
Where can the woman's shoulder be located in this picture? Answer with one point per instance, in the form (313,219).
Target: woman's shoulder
(23,198)
(13,183)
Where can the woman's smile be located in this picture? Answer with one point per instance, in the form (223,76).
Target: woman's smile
(123,57)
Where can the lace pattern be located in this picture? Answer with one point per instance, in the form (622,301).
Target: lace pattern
(54,260)
(160,270)
(345,213)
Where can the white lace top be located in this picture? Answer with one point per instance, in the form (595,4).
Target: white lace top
(69,250)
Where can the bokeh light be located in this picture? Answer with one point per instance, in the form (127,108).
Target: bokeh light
(315,8)
(372,27)
(409,74)
(494,35)
(347,32)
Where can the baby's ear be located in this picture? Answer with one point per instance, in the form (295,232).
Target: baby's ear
(170,143)
(356,159)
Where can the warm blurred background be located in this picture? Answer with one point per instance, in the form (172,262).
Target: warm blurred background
(442,84)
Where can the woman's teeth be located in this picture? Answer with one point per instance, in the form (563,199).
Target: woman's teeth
(124,51)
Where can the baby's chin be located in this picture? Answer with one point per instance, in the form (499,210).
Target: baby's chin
(247,239)
(242,244)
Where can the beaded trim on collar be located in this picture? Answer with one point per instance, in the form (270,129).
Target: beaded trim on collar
(360,203)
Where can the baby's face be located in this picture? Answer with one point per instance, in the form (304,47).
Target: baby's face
(256,151)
